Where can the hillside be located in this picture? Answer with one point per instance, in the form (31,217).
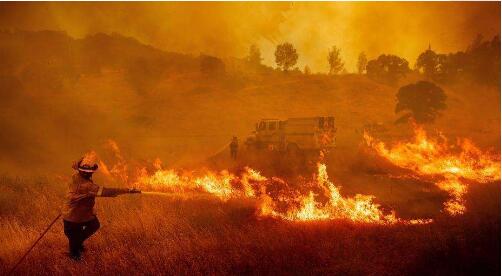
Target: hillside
(74,94)
(363,211)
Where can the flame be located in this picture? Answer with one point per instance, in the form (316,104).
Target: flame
(308,200)
(218,185)
(119,170)
(251,176)
(359,208)
(451,164)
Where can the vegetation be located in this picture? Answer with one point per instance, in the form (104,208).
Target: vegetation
(335,61)
(198,234)
(387,68)
(52,62)
(479,63)
(428,64)
(118,80)
(286,56)
(149,234)
(422,100)
(254,56)
(307,70)
(362,61)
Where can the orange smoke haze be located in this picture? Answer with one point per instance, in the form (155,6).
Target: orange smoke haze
(228,29)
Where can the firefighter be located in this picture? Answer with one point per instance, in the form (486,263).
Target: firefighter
(79,218)
(234,146)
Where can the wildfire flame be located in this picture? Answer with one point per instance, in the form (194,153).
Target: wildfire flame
(450,164)
(359,208)
(315,199)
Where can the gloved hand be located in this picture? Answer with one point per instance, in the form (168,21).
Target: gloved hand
(134,191)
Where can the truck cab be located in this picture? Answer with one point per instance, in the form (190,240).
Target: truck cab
(269,132)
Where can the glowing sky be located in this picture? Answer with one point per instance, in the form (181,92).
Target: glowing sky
(227,29)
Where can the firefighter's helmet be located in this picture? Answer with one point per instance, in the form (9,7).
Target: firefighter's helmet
(87,163)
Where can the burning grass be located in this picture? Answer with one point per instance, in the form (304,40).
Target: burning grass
(303,199)
(235,222)
(449,164)
(318,198)
(150,234)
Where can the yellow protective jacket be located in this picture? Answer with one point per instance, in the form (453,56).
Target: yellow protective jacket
(79,205)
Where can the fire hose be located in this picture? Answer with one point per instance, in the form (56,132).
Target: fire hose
(59,215)
(56,219)
(35,243)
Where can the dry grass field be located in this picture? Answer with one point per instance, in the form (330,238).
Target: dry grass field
(186,118)
(199,234)
(156,234)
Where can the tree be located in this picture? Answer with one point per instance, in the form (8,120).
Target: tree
(307,70)
(449,67)
(387,68)
(479,63)
(285,56)
(428,64)
(483,61)
(335,61)
(362,61)
(421,101)
(254,56)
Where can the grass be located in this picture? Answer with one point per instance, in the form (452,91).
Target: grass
(151,234)
(187,116)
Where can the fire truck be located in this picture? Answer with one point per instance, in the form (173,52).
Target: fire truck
(293,135)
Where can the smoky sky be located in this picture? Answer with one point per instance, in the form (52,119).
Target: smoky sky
(228,29)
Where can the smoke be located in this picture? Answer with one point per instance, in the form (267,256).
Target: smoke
(228,29)
(64,96)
